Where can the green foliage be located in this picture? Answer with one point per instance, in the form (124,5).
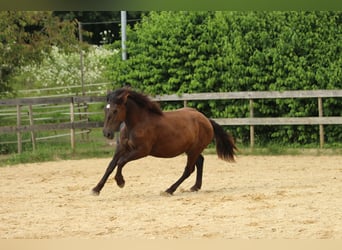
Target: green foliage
(61,70)
(187,52)
(99,27)
(24,38)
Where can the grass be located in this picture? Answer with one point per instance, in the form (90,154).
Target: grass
(60,149)
(95,146)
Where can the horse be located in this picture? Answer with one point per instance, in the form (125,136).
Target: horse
(150,131)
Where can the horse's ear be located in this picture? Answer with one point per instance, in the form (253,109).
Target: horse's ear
(123,97)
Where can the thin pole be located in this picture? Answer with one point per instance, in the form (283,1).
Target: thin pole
(123,34)
(82,80)
(81,55)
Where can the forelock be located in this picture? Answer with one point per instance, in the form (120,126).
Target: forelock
(113,96)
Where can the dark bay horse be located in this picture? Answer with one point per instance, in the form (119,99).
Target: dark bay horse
(150,131)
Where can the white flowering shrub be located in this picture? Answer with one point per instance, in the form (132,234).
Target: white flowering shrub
(60,73)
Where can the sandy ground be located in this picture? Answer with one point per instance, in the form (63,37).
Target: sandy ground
(278,197)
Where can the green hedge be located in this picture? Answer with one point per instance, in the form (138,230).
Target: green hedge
(190,52)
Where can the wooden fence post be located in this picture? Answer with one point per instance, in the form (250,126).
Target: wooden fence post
(18,129)
(72,119)
(33,137)
(85,110)
(79,114)
(251,127)
(321,129)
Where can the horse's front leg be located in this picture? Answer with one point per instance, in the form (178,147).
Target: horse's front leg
(125,158)
(120,181)
(96,190)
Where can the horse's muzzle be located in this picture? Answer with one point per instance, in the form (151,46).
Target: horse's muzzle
(108,134)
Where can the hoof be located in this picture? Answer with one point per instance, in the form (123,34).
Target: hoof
(121,185)
(194,189)
(120,181)
(95,193)
(165,194)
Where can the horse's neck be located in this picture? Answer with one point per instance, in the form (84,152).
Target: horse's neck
(134,114)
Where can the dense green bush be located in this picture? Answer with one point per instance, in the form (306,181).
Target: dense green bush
(188,52)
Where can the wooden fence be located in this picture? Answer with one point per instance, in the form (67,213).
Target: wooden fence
(77,119)
(74,103)
(252,121)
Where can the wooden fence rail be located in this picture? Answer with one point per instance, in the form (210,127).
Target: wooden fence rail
(252,121)
(252,95)
(71,102)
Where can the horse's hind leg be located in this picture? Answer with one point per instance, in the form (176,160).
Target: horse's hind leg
(199,167)
(189,168)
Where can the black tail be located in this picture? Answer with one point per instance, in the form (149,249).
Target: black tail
(225,145)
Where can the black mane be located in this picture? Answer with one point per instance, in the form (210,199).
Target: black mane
(141,100)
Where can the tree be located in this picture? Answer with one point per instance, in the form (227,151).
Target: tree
(97,23)
(24,38)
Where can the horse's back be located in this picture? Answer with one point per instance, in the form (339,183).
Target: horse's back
(182,130)
(188,117)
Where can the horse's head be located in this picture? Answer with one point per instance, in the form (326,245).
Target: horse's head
(115,112)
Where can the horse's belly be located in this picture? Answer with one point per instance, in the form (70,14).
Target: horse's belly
(166,153)
(174,146)
(170,146)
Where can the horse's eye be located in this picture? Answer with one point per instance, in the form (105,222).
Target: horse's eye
(115,111)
